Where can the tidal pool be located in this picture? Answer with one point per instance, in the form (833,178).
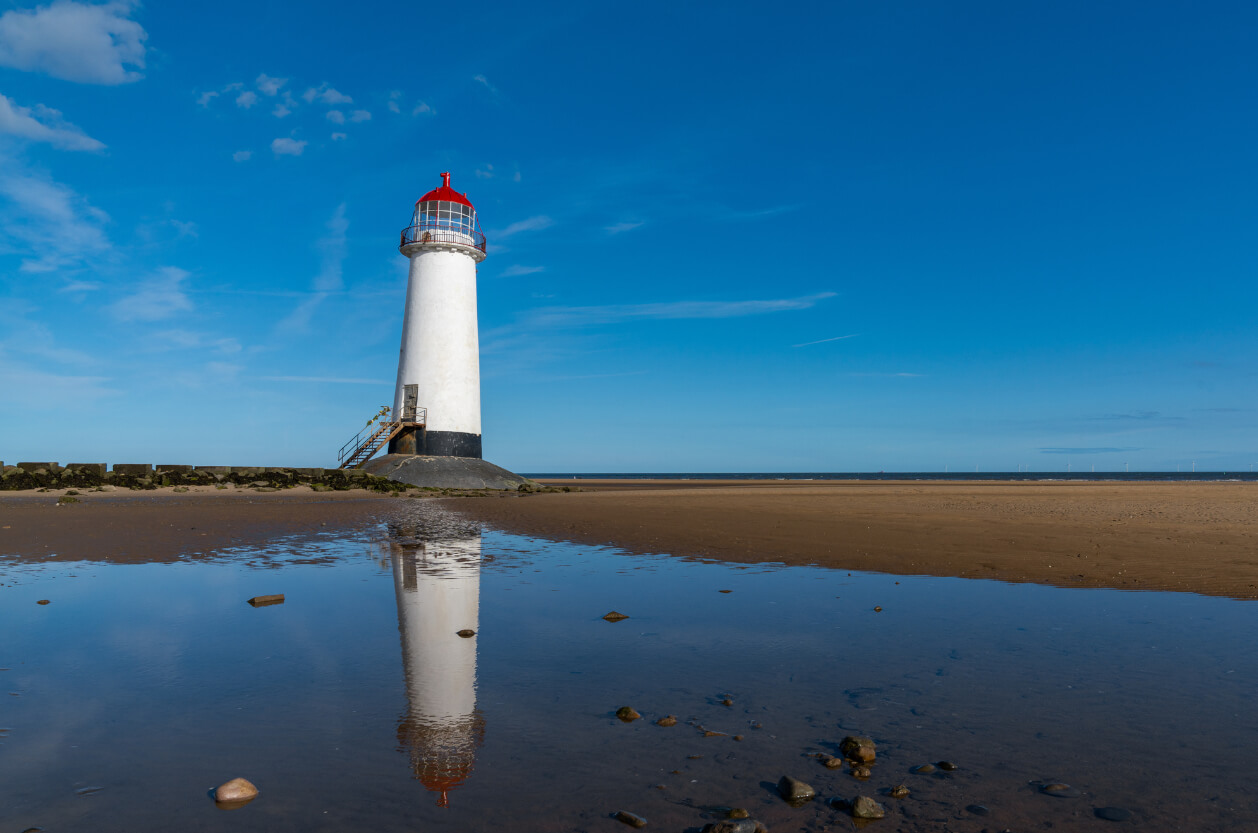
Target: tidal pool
(356,704)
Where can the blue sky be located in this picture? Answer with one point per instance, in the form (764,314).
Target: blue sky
(722,237)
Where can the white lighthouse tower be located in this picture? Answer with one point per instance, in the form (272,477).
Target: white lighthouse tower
(437,399)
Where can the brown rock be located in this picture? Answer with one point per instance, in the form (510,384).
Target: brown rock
(794,791)
(630,819)
(832,762)
(44,602)
(899,791)
(615,617)
(861,771)
(627,714)
(466,633)
(858,748)
(666,721)
(235,791)
(864,807)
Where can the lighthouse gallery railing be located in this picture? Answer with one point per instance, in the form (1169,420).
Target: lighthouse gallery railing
(433,233)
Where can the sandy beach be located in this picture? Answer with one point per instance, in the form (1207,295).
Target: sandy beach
(1195,537)
(124,526)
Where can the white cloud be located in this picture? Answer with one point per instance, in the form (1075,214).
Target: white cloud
(393,107)
(281,110)
(485,173)
(483,80)
(88,43)
(531,224)
(247,99)
(242,156)
(327,95)
(621,227)
(268,85)
(288,147)
(184,339)
(516,177)
(421,107)
(517,270)
(336,137)
(80,286)
(47,221)
(43,124)
(159,297)
(205,98)
(360,115)
(336,116)
(550,317)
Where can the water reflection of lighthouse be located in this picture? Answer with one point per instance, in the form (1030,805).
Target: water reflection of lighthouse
(438,594)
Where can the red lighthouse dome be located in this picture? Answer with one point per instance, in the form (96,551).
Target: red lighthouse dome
(443,217)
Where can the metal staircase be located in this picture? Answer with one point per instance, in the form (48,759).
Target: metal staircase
(363,445)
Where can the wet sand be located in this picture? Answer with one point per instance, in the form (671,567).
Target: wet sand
(124,526)
(1194,537)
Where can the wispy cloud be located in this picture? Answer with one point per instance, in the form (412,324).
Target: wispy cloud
(531,224)
(620,228)
(890,375)
(47,221)
(1135,416)
(159,297)
(360,116)
(481,79)
(517,270)
(242,156)
(326,380)
(1087,450)
(335,116)
(555,317)
(43,124)
(247,99)
(761,214)
(825,340)
(332,249)
(85,42)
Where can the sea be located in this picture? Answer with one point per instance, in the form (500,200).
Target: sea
(1107,476)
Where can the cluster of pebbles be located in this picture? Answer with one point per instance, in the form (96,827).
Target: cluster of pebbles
(858,753)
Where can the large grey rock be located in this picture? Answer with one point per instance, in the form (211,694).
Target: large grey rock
(443,472)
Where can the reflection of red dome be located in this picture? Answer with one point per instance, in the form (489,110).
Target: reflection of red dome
(442,756)
(445,193)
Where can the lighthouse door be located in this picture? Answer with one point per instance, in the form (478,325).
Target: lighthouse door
(410,397)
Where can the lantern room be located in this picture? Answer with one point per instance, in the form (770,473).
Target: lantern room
(443,217)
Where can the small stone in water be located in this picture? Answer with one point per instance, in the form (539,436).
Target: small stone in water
(627,714)
(235,791)
(670,720)
(978,809)
(466,633)
(630,819)
(1059,790)
(727,702)
(615,617)
(739,813)
(947,766)
(44,602)
(858,748)
(725,591)
(864,807)
(735,826)
(899,791)
(877,610)
(738,737)
(831,762)
(1112,813)
(924,769)
(795,791)
(861,771)
(710,734)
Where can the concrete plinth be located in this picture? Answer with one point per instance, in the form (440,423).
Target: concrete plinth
(443,472)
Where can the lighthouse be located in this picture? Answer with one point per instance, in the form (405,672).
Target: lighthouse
(437,398)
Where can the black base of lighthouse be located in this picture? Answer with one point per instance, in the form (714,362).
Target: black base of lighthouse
(420,441)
